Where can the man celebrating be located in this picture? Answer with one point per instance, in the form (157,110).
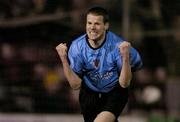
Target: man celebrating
(100,65)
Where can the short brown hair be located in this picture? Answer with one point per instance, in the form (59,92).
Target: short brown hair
(99,11)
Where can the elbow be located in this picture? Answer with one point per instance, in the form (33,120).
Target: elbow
(124,84)
(75,86)
(75,83)
(125,77)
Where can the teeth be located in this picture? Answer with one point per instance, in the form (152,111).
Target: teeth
(92,33)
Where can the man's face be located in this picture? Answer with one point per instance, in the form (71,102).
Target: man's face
(95,27)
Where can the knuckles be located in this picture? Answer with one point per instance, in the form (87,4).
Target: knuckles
(124,45)
(61,46)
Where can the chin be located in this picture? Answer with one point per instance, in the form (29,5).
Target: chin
(95,37)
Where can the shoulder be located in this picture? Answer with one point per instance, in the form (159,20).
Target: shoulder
(114,39)
(78,42)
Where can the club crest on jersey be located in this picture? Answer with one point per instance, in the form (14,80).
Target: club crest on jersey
(96,63)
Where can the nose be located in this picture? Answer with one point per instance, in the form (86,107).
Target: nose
(92,26)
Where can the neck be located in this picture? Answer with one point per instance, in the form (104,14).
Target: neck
(95,43)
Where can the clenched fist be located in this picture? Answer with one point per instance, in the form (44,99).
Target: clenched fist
(62,51)
(124,48)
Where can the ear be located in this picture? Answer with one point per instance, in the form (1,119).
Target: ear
(107,25)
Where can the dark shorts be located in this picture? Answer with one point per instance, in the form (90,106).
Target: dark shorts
(92,103)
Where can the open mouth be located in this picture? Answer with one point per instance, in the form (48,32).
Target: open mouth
(92,33)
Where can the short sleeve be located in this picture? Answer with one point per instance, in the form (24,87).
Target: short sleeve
(135,60)
(75,58)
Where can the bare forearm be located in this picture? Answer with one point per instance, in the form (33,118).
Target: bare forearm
(73,79)
(126,74)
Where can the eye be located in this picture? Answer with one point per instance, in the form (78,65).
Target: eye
(89,23)
(96,23)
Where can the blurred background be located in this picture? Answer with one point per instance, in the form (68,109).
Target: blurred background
(32,83)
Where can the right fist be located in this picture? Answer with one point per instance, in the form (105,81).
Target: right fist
(62,50)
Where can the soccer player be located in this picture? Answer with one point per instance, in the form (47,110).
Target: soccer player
(100,64)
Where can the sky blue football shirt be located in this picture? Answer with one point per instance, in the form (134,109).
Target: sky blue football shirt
(100,67)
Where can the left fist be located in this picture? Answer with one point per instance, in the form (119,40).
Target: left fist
(124,48)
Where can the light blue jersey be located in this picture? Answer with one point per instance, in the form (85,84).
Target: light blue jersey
(100,67)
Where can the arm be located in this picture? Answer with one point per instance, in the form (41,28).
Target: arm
(125,74)
(72,77)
